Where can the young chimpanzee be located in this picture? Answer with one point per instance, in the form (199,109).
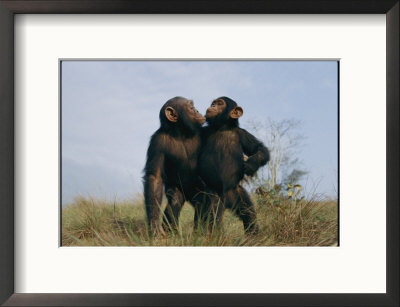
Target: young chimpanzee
(172,161)
(221,162)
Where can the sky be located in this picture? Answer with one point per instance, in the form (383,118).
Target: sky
(110,109)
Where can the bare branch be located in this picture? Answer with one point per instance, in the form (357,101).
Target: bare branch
(284,140)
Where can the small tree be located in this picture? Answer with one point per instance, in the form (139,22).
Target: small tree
(284,143)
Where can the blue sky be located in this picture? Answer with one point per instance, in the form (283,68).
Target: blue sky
(110,109)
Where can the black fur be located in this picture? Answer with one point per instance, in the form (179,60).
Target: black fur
(222,167)
(172,162)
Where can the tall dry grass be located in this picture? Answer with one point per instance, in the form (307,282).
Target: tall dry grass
(283,221)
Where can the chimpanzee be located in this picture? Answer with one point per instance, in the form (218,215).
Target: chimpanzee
(222,165)
(172,161)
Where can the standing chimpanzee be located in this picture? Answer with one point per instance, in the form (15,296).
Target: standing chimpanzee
(172,161)
(221,162)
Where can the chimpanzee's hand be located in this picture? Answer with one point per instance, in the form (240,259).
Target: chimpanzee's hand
(249,168)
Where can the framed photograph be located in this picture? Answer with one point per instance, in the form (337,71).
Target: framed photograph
(100,204)
(180,154)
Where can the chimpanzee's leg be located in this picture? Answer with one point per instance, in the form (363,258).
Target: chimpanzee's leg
(197,197)
(208,209)
(216,212)
(173,208)
(242,206)
(200,200)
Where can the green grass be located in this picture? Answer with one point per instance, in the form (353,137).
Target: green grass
(94,222)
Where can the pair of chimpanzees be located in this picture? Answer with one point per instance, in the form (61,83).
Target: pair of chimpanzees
(202,165)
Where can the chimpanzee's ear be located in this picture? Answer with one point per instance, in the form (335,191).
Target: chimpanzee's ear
(236,112)
(171,114)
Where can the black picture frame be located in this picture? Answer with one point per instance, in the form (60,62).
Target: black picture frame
(8,8)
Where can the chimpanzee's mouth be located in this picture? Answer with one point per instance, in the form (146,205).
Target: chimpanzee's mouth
(209,114)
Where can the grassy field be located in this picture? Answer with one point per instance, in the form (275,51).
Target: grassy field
(283,221)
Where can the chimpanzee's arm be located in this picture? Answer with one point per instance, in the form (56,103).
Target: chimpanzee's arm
(153,184)
(258,154)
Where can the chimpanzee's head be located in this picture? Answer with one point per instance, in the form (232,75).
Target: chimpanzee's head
(180,113)
(223,110)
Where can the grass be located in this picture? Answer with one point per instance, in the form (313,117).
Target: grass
(94,222)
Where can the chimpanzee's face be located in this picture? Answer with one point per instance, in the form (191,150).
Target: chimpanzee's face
(217,107)
(180,110)
(193,114)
